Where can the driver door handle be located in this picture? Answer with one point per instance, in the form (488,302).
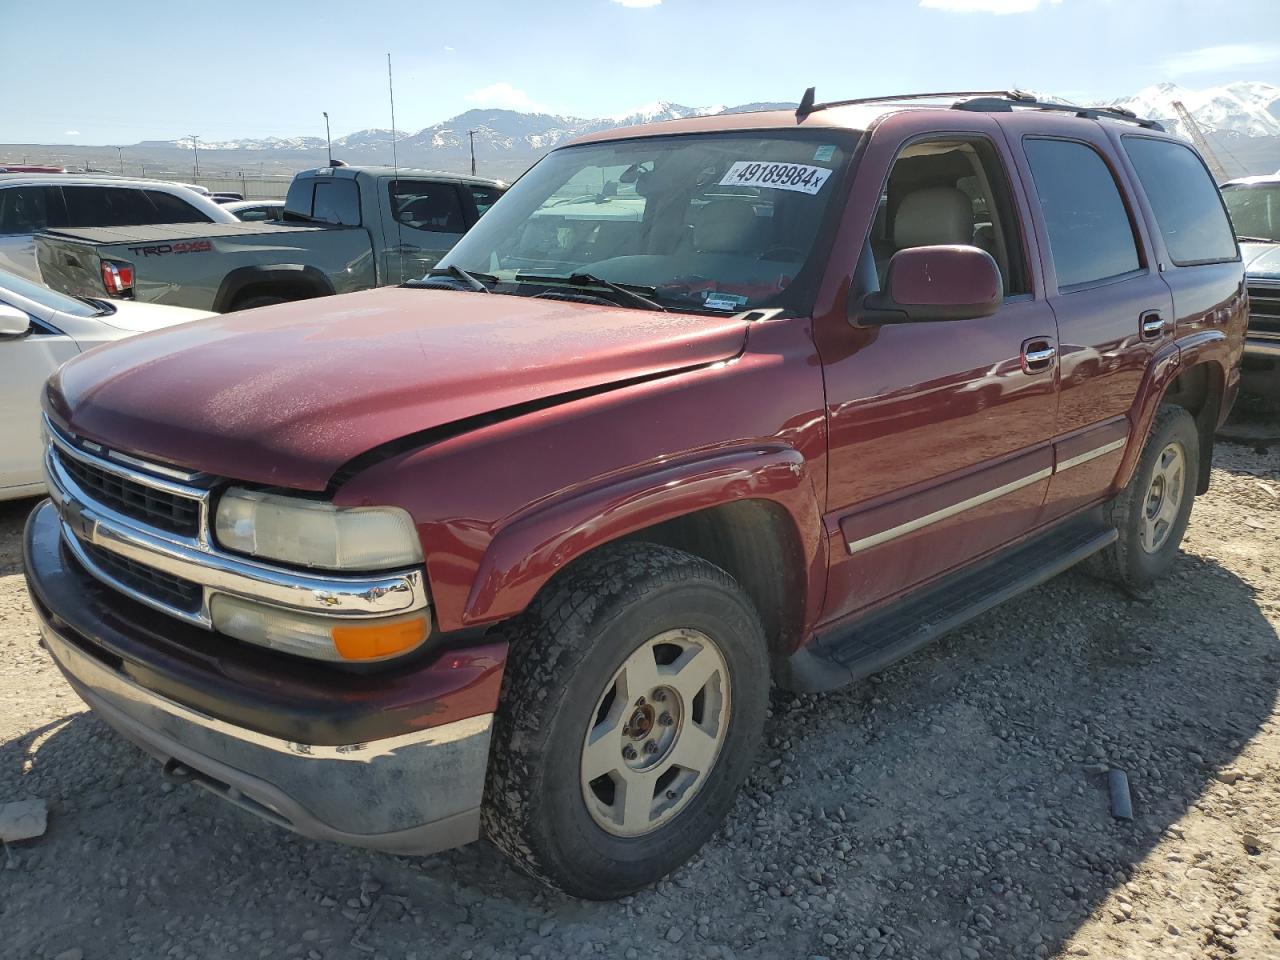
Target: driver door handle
(1152,325)
(1038,354)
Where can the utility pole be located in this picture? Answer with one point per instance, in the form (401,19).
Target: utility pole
(195,152)
(120,151)
(328,143)
(472,135)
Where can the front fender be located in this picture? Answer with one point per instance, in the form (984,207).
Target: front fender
(528,551)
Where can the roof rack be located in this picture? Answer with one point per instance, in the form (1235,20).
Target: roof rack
(983,101)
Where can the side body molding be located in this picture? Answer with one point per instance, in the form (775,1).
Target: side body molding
(527,552)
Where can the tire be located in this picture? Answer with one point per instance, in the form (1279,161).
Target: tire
(250,303)
(576,652)
(1137,559)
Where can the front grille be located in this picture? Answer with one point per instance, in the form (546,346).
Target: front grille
(1264,309)
(168,511)
(159,586)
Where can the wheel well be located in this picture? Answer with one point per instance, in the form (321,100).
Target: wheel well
(1199,390)
(288,289)
(756,543)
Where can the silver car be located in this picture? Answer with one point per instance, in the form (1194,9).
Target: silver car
(33,202)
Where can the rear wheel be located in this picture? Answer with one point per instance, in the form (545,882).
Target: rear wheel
(1152,512)
(632,711)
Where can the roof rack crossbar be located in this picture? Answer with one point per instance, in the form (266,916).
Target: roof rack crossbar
(983,101)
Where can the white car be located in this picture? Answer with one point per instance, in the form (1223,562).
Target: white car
(33,202)
(39,331)
(255,210)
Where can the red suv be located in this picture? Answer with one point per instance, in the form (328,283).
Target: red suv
(696,407)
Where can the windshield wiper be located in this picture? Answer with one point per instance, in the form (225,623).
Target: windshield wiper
(631,291)
(1257,239)
(472,281)
(104,308)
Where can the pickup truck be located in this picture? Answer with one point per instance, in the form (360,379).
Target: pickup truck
(1254,206)
(345,229)
(699,407)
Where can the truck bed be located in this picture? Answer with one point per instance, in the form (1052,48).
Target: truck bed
(210,266)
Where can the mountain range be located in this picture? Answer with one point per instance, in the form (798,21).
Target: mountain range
(1241,121)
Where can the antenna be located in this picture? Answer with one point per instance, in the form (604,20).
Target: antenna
(395,171)
(806,104)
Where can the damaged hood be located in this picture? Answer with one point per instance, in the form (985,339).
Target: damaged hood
(287,394)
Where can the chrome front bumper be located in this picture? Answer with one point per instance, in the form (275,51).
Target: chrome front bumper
(415,793)
(87,521)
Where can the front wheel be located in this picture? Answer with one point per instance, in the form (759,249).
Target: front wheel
(632,711)
(1151,513)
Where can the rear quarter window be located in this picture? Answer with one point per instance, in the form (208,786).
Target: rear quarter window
(1185,201)
(171,209)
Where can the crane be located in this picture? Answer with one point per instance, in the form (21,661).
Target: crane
(1202,143)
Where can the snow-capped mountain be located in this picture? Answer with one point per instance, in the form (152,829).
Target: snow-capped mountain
(1241,121)
(1249,108)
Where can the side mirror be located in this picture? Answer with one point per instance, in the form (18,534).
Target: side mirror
(934,283)
(14,323)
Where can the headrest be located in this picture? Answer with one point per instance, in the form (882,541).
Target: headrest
(724,226)
(934,215)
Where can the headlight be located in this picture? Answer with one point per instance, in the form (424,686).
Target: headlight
(311,533)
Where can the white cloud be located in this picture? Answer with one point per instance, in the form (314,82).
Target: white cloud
(71,133)
(503,95)
(637,4)
(448,49)
(1224,57)
(986,6)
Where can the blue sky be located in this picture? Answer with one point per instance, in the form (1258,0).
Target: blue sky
(143,70)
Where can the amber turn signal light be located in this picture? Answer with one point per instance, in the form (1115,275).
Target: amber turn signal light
(374,641)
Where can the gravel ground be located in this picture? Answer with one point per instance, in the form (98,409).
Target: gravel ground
(955,806)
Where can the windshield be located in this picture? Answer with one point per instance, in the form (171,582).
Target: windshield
(703,222)
(45,297)
(1255,210)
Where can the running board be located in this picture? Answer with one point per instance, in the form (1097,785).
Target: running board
(870,644)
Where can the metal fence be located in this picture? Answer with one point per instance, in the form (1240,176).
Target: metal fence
(250,187)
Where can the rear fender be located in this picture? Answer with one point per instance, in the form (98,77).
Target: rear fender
(1206,346)
(281,275)
(527,552)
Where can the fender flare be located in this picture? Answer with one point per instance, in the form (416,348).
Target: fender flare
(542,541)
(282,273)
(1206,346)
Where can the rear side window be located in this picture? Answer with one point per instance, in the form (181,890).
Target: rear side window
(1185,201)
(423,205)
(171,209)
(1090,236)
(107,207)
(23,210)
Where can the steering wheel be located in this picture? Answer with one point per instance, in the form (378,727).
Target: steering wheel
(779,253)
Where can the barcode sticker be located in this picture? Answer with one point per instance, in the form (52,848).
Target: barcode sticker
(800,177)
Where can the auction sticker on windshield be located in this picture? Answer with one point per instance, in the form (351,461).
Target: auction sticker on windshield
(800,177)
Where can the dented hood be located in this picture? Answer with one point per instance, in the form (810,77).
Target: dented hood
(287,394)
